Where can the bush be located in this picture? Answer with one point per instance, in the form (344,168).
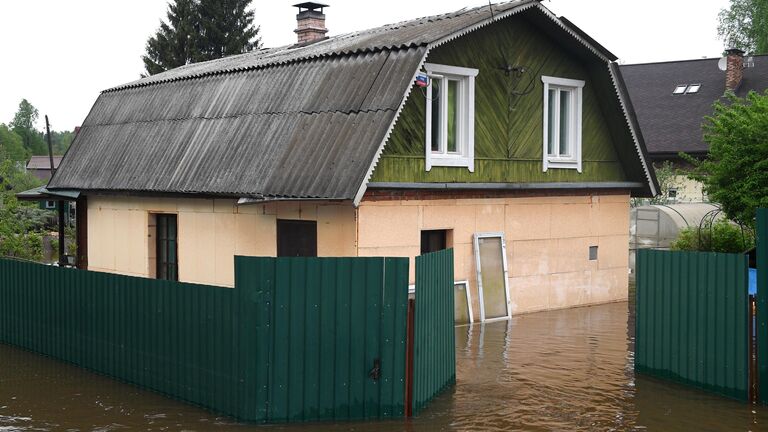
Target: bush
(22,225)
(721,236)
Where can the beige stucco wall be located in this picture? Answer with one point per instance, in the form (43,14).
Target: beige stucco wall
(688,190)
(547,241)
(211,232)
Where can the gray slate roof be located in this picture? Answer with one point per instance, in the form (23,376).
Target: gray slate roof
(672,123)
(288,122)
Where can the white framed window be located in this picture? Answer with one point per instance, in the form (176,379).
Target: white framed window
(562,123)
(450,120)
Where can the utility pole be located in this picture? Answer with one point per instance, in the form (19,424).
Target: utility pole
(59,203)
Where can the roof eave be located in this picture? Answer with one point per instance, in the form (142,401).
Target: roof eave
(634,127)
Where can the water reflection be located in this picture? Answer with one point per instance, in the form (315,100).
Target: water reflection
(562,370)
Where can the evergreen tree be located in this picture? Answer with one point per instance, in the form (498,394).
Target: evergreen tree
(744,25)
(200,30)
(175,42)
(226,28)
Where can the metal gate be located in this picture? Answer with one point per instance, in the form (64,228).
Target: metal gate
(334,330)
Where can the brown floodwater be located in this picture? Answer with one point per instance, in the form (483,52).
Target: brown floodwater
(561,370)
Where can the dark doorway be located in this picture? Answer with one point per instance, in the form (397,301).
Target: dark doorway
(167,247)
(296,238)
(433,240)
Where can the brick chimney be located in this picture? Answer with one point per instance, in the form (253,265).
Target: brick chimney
(311,22)
(734,69)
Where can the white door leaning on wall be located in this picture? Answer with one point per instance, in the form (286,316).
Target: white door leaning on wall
(492,280)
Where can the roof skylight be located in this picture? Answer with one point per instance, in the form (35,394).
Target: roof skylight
(686,89)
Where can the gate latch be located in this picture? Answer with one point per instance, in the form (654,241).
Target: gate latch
(375,373)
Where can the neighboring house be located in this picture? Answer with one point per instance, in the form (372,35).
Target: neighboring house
(332,147)
(40,166)
(672,99)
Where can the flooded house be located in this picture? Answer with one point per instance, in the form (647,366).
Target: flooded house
(502,131)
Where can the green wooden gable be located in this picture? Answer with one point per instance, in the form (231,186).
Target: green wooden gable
(508,128)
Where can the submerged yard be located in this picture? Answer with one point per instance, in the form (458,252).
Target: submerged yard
(561,370)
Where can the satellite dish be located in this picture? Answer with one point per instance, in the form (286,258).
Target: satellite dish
(722,64)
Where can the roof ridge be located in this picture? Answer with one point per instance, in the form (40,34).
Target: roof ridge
(138,83)
(687,60)
(329,47)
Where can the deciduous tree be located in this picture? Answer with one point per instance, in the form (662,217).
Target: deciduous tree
(11,145)
(744,25)
(735,172)
(23,124)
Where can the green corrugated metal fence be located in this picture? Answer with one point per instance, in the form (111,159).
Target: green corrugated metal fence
(691,319)
(762,303)
(171,337)
(434,362)
(295,340)
(332,320)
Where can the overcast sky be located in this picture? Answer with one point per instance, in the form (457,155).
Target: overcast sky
(59,54)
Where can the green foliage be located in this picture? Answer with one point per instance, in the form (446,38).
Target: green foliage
(226,28)
(25,117)
(735,172)
(200,30)
(721,236)
(60,141)
(665,174)
(175,42)
(22,225)
(744,25)
(23,124)
(11,145)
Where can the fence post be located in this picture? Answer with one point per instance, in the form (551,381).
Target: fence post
(762,304)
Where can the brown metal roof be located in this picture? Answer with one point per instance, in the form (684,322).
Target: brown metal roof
(43,162)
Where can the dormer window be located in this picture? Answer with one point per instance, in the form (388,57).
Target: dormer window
(450,119)
(562,123)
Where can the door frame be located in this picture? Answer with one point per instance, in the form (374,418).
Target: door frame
(465,282)
(478,272)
